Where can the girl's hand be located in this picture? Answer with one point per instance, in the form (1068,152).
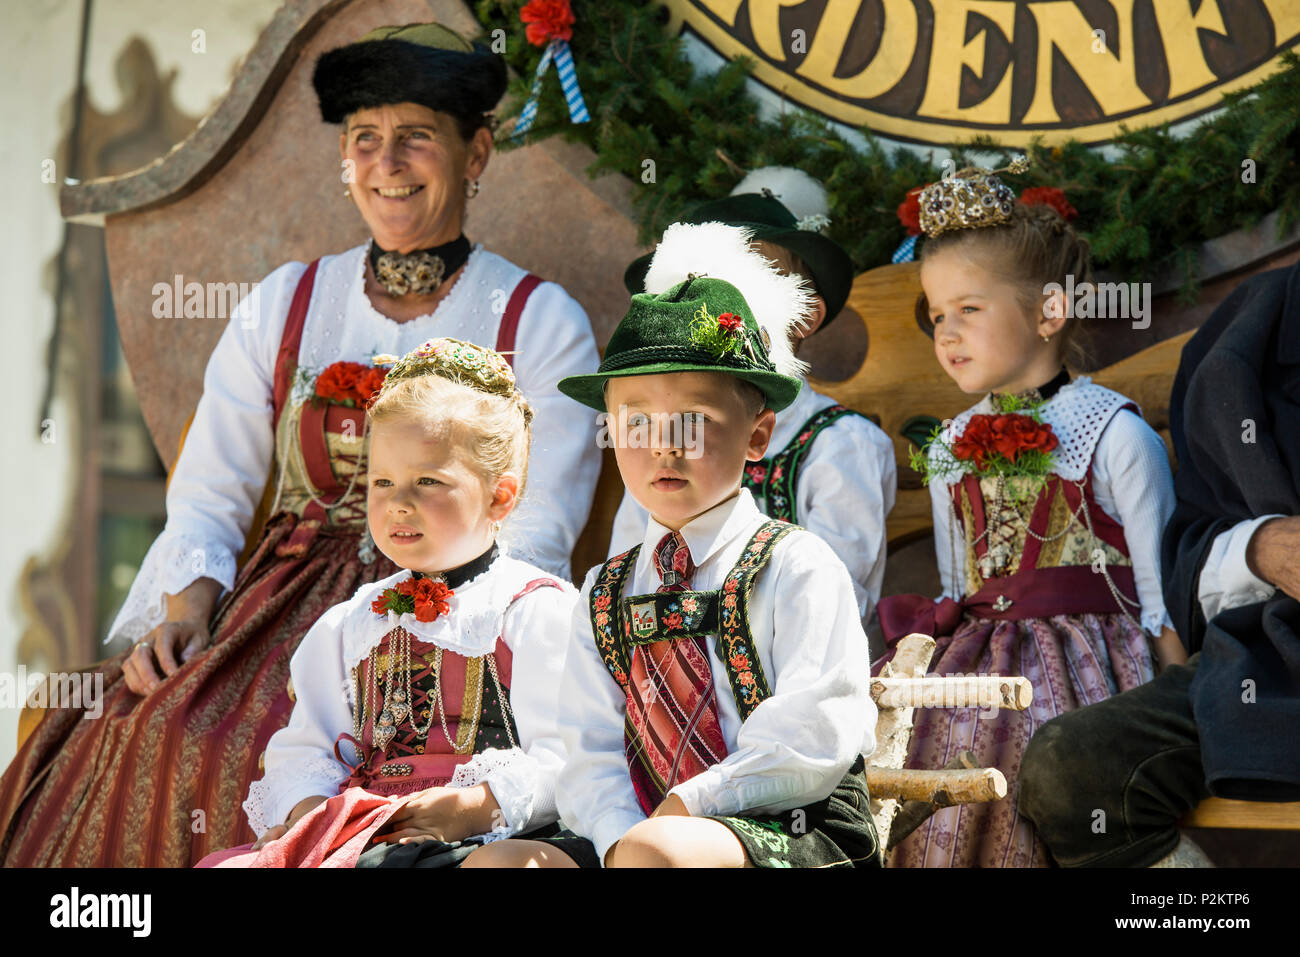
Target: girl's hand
(269,835)
(1169,649)
(299,811)
(442,814)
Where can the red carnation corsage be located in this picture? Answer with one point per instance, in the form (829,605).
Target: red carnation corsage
(1009,435)
(426,598)
(352,384)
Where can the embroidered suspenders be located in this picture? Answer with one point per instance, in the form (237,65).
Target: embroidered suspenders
(776,478)
(618,622)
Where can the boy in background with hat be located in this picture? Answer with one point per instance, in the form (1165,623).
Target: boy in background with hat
(715,704)
(830,469)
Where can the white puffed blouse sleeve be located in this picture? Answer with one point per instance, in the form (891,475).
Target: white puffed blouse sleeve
(1134,485)
(222,469)
(522,779)
(299,759)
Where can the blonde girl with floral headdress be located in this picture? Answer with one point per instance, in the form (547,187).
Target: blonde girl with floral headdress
(424,718)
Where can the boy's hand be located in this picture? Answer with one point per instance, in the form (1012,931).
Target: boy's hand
(672,804)
(442,814)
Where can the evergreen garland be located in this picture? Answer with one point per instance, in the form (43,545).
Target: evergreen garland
(1143,213)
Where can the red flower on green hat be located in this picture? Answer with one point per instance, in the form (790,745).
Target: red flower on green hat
(547,20)
(730,322)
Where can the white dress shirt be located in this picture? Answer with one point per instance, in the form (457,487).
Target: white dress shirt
(1131,481)
(846,487)
(1226,579)
(795,746)
(300,761)
(221,472)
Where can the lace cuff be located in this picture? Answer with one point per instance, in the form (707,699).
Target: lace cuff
(512,776)
(1153,622)
(272,798)
(174,561)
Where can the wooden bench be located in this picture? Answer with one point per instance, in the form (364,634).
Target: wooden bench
(898,381)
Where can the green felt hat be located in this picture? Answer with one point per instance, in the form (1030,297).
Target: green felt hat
(700,325)
(770,221)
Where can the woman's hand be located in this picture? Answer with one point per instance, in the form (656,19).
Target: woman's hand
(300,810)
(442,814)
(178,639)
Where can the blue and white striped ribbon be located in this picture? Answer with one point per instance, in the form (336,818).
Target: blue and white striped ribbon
(907,251)
(557,50)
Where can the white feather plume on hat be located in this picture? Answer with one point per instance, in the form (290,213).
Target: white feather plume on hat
(780,303)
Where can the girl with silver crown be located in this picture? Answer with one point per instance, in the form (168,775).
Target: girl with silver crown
(1049,498)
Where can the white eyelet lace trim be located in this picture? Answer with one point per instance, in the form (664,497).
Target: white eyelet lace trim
(1078,414)
(174,561)
(502,770)
(474,621)
(272,798)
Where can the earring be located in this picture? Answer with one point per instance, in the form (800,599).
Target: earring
(1047,338)
(471,189)
(347,194)
(496,528)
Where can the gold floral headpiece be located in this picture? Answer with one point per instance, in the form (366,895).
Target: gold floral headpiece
(464,362)
(971,197)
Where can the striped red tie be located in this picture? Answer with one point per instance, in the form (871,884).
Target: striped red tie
(673,731)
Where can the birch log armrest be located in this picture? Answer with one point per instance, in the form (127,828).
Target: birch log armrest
(942,788)
(1244,815)
(953,691)
(894,726)
(901,686)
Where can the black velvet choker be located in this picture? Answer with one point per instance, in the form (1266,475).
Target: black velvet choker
(1043,392)
(467,572)
(421,272)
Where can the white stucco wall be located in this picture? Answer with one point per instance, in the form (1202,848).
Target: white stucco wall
(38,48)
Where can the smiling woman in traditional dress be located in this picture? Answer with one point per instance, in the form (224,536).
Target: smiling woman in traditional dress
(158,779)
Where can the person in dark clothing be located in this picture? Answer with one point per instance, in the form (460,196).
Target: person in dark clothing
(1106,785)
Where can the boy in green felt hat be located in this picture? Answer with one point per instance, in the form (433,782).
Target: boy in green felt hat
(830,469)
(715,705)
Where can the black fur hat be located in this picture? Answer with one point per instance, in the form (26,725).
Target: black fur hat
(423,63)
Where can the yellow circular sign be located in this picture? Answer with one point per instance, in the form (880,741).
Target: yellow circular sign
(946,70)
